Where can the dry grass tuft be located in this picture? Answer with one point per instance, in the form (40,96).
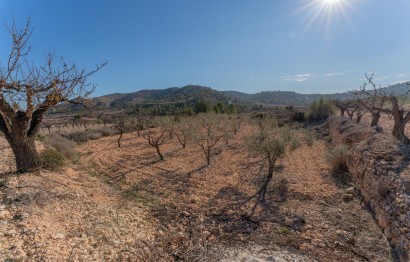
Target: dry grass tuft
(63,145)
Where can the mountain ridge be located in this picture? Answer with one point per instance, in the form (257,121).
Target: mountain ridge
(190,95)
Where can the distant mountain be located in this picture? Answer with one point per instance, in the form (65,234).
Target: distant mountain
(297,99)
(189,94)
(192,94)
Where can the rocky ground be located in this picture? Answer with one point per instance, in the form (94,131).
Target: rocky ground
(123,204)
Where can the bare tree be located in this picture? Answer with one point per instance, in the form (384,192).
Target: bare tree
(372,100)
(207,132)
(28,91)
(155,136)
(341,105)
(400,116)
(183,130)
(348,106)
(351,108)
(120,126)
(360,113)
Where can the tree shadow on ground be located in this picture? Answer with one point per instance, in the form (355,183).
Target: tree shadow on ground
(341,178)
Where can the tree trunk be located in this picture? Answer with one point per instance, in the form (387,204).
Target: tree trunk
(342,111)
(267,181)
(398,132)
(358,118)
(119,139)
(159,152)
(399,125)
(375,119)
(208,156)
(24,149)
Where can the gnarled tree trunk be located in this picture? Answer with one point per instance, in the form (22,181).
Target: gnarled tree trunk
(375,119)
(24,149)
(400,121)
(20,132)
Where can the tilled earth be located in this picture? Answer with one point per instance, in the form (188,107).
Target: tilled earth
(123,204)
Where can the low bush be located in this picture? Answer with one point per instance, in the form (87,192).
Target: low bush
(63,145)
(52,159)
(91,134)
(319,110)
(337,157)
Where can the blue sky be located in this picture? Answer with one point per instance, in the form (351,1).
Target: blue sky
(306,46)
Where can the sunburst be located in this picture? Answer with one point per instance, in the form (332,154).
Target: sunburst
(325,12)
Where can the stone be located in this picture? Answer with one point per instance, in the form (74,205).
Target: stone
(305,246)
(383,220)
(10,233)
(347,197)
(59,236)
(4,214)
(350,190)
(387,233)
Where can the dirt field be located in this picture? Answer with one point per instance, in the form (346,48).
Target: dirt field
(123,204)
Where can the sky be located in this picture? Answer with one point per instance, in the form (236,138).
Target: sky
(306,46)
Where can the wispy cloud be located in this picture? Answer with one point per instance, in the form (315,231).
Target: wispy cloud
(297,78)
(401,75)
(334,74)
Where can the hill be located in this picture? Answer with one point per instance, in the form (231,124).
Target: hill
(190,95)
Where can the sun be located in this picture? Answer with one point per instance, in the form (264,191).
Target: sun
(325,12)
(331,2)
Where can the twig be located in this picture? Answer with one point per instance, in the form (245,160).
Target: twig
(23,186)
(51,180)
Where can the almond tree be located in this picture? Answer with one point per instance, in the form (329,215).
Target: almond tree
(183,130)
(372,100)
(155,136)
(271,143)
(400,116)
(27,91)
(207,132)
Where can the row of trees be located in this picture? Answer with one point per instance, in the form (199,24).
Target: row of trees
(267,139)
(375,101)
(204,130)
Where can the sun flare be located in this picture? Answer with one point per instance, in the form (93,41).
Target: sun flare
(326,12)
(331,2)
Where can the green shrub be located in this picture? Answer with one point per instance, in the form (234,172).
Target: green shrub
(52,159)
(40,137)
(319,110)
(309,140)
(337,157)
(63,145)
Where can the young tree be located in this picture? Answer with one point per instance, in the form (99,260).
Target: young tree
(207,131)
(120,126)
(155,136)
(271,143)
(183,130)
(28,91)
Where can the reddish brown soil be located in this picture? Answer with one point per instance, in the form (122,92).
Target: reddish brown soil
(104,207)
